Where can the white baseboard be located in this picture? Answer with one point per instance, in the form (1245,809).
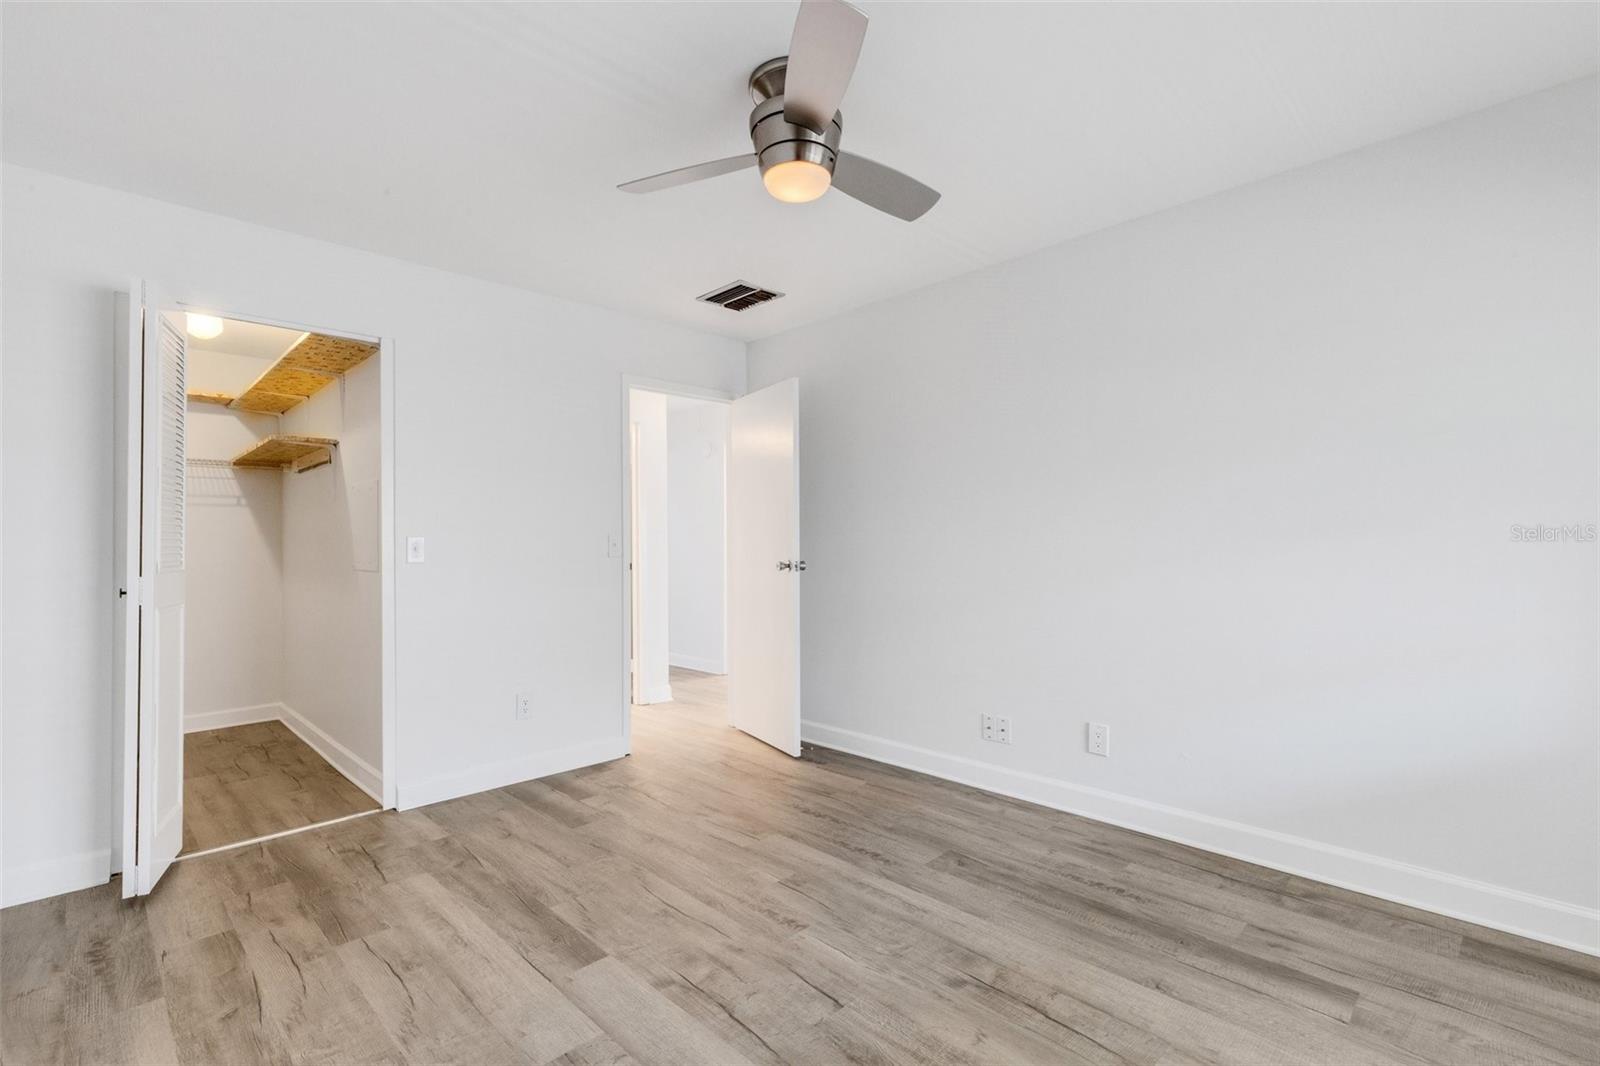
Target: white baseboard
(485,776)
(231,716)
(1552,921)
(52,877)
(691,662)
(360,773)
(658,694)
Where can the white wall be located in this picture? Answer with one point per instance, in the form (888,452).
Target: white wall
(652,532)
(697,435)
(508,462)
(233,643)
(332,586)
(1239,480)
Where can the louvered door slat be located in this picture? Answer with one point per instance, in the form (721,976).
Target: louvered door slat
(170,538)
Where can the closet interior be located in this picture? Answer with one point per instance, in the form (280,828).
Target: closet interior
(282,647)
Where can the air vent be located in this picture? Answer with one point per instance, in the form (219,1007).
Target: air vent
(738,296)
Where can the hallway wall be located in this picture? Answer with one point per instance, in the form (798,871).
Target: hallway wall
(697,436)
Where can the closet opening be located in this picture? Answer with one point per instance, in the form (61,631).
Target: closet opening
(282,642)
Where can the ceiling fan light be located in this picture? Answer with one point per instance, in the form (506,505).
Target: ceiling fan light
(203,327)
(797,181)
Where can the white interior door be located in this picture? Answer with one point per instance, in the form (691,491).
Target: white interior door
(764,565)
(128,416)
(152,488)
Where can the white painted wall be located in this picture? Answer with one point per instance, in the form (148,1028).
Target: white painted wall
(332,585)
(1239,479)
(652,532)
(508,463)
(697,436)
(233,640)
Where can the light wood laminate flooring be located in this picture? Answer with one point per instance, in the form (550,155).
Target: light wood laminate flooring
(709,900)
(249,781)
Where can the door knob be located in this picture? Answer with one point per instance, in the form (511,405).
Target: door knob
(785,565)
(792,564)
(800,564)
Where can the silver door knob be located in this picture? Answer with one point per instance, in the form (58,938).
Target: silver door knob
(792,564)
(785,565)
(800,564)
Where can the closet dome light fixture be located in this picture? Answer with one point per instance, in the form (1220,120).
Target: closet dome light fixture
(203,327)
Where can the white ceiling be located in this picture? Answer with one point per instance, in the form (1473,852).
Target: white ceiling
(251,339)
(488,139)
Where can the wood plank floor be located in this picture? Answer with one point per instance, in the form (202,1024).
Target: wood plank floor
(709,900)
(248,781)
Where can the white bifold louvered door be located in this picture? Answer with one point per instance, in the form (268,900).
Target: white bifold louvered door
(151,639)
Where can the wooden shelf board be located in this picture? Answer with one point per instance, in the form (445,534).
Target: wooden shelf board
(303,453)
(327,355)
(220,398)
(262,402)
(310,366)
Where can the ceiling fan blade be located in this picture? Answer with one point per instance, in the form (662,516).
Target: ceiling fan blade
(882,187)
(684,175)
(822,56)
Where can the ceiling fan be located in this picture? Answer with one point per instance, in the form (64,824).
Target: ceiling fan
(795,127)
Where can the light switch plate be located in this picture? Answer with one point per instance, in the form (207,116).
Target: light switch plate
(414,552)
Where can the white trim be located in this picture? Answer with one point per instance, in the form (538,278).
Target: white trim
(52,877)
(486,776)
(692,662)
(673,388)
(389,682)
(300,327)
(670,388)
(357,770)
(232,716)
(1552,921)
(275,836)
(659,694)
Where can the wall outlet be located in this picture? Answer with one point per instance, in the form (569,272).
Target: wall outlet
(995,728)
(1099,739)
(524,706)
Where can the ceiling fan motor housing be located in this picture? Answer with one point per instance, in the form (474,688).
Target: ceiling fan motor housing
(777,140)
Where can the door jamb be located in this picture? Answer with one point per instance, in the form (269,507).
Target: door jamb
(631,382)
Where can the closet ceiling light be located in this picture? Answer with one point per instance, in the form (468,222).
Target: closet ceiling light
(204,327)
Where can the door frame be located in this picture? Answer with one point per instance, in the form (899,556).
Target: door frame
(387,554)
(631,382)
